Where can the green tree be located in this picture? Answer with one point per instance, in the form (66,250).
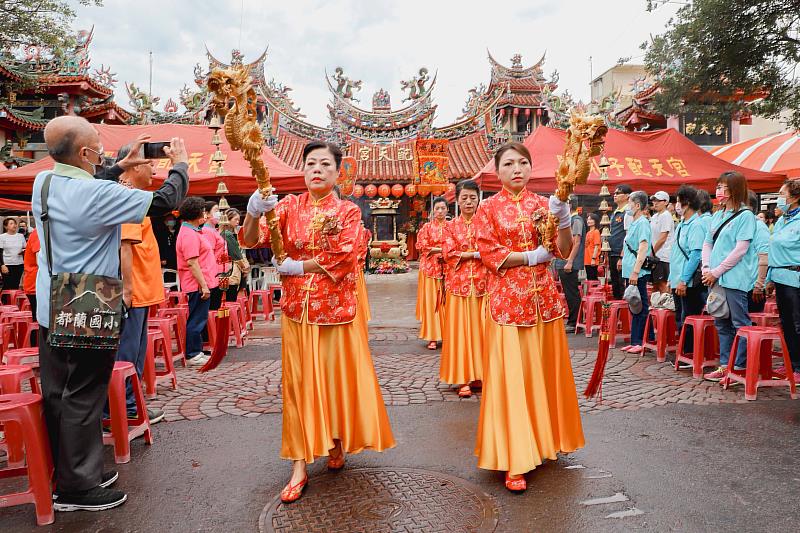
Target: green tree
(717,54)
(44,23)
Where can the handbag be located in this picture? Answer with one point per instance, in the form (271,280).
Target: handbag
(85,309)
(697,277)
(649,262)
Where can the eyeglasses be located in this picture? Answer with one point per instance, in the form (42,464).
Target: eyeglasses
(618,193)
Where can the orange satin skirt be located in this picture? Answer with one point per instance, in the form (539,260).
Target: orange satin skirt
(330,391)
(529,405)
(462,347)
(427,311)
(420,296)
(362,296)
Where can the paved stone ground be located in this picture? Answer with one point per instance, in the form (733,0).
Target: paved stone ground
(664,452)
(248,382)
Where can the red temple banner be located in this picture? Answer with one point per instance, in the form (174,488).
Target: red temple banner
(347,175)
(433,170)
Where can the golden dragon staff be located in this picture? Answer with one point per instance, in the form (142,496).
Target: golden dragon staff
(585,139)
(234,100)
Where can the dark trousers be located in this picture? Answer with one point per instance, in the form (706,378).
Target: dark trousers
(74,390)
(754,306)
(617,284)
(32,300)
(133,348)
(12,279)
(691,304)
(232,293)
(789,310)
(569,281)
(591,272)
(198,316)
(639,319)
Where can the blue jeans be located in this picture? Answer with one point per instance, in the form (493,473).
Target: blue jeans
(727,328)
(638,320)
(198,316)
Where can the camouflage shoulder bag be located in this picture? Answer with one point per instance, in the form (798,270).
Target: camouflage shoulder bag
(85,309)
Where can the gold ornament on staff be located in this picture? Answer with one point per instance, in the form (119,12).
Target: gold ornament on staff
(233,86)
(585,139)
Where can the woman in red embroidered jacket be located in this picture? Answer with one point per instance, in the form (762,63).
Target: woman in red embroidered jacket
(529,406)
(332,404)
(465,281)
(429,289)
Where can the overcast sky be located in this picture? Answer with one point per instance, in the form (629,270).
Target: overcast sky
(377,41)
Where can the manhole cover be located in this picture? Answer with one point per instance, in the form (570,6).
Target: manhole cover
(374,500)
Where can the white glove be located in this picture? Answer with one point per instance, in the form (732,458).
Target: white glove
(561,211)
(289,267)
(258,205)
(476,255)
(539,255)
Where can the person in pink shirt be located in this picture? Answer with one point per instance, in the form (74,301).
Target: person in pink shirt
(197,273)
(218,247)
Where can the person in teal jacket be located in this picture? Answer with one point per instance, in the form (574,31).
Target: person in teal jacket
(783,276)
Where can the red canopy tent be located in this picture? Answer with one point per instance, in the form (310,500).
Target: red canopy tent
(202,177)
(649,161)
(14,205)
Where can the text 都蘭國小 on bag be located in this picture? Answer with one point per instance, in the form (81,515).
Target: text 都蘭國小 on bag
(85,309)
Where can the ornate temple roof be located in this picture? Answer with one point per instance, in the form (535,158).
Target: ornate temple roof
(525,85)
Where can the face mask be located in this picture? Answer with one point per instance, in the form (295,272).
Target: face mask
(679,210)
(629,211)
(214,220)
(170,224)
(721,197)
(781,203)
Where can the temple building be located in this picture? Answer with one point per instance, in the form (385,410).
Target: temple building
(36,87)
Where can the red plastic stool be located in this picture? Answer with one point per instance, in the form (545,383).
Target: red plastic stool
(23,356)
(758,372)
(7,338)
(765,319)
(265,298)
(771,307)
(664,324)
(150,375)
(181,316)
(8,297)
(248,316)
(238,327)
(22,302)
(169,327)
(620,319)
(234,329)
(123,432)
(176,298)
(24,410)
(25,330)
(705,346)
(589,315)
(11,379)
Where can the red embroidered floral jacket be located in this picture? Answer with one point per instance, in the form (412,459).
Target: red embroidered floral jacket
(519,296)
(431,235)
(326,231)
(463,277)
(364,236)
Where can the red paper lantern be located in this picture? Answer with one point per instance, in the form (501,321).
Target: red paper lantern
(424,191)
(411,189)
(502,113)
(516,111)
(384,190)
(527,112)
(370,190)
(358,191)
(397,190)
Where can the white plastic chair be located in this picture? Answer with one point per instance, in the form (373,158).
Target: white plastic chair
(171,285)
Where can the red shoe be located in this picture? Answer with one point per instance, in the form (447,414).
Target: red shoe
(517,484)
(336,462)
(432,345)
(291,493)
(464,391)
(716,375)
(636,349)
(477,384)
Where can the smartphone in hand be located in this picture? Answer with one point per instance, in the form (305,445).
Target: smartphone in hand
(155,150)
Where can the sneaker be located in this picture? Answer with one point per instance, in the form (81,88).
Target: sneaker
(626,348)
(96,499)
(716,375)
(106,480)
(569,329)
(635,349)
(155,415)
(197,360)
(684,366)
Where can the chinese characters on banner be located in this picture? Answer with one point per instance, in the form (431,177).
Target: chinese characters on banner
(703,132)
(378,153)
(652,167)
(433,169)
